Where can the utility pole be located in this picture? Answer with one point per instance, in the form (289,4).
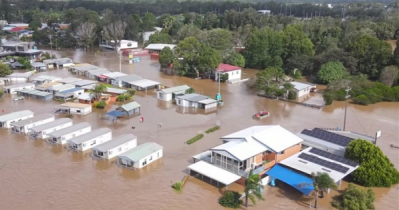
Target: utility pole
(346,104)
(51,45)
(120,61)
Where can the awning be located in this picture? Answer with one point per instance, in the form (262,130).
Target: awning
(214,172)
(298,181)
(115,113)
(102,77)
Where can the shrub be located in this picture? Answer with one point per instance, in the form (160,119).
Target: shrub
(101,105)
(331,71)
(231,200)
(190,90)
(224,77)
(292,95)
(178,186)
(195,138)
(95,104)
(131,92)
(210,130)
(328,97)
(355,198)
(1,93)
(362,100)
(124,97)
(376,170)
(340,95)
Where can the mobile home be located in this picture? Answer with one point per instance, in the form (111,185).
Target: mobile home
(42,131)
(141,155)
(61,136)
(24,125)
(90,140)
(42,79)
(115,147)
(169,94)
(7,119)
(12,89)
(74,108)
(195,100)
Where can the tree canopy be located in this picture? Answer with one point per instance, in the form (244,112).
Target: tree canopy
(166,57)
(331,71)
(376,170)
(355,198)
(4,70)
(159,38)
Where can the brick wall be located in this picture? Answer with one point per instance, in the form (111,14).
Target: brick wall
(289,152)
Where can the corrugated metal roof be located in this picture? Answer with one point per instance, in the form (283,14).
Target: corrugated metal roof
(114,74)
(63,87)
(159,46)
(83,82)
(144,83)
(91,135)
(141,151)
(46,77)
(129,78)
(73,90)
(122,139)
(15,115)
(130,106)
(34,92)
(69,80)
(53,124)
(75,105)
(33,120)
(176,89)
(37,64)
(69,129)
(19,85)
(193,97)
(300,85)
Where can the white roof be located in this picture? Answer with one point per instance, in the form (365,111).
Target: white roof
(241,149)
(68,80)
(214,172)
(20,85)
(23,75)
(62,87)
(208,101)
(175,89)
(144,83)
(308,167)
(274,137)
(15,115)
(46,77)
(114,74)
(85,96)
(159,46)
(301,86)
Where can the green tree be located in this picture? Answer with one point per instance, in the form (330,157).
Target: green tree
(211,20)
(235,59)
(277,73)
(290,91)
(208,60)
(190,90)
(384,31)
(389,75)
(159,38)
(371,54)
(331,71)
(4,70)
(296,42)
(321,182)
(231,199)
(219,39)
(25,62)
(98,90)
(149,22)
(375,170)
(166,57)
(189,31)
(355,198)
(252,188)
(395,57)
(35,24)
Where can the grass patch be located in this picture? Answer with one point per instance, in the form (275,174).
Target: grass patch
(210,130)
(194,139)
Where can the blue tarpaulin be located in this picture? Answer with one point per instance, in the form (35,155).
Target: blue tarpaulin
(300,182)
(115,113)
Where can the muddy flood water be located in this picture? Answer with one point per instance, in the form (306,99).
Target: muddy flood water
(35,175)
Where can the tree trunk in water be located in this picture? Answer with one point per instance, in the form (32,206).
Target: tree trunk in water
(246,200)
(316,197)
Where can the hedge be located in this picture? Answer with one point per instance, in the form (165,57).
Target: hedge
(210,130)
(195,138)
(231,200)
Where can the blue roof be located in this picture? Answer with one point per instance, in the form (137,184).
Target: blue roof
(115,113)
(71,90)
(298,181)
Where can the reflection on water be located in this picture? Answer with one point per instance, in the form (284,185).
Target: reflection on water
(41,176)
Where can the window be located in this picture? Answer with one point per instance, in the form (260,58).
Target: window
(144,162)
(120,149)
(150,158)
(281,153)
(78,111)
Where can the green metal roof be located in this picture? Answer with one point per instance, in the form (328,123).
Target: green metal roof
(130,106)
(141,151)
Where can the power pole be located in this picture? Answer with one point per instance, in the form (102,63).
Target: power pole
(120,61)
(51,45)
(346,104)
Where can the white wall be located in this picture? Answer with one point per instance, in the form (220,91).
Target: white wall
(14,90)
(165,97)
(233,75)
(303,92)
(120,149)
(154,156)
(185,103)
(81,111)
(26,128)
(44,134)
(7,124)
(18,80)
(209,106)
(63,139)
(95,141)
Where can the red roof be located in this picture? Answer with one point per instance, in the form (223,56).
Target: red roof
(16,29)
(227,67)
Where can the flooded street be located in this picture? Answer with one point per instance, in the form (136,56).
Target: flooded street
(35,175)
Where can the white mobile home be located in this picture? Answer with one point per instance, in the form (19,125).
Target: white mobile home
(42,131)
(47,86)
(141,155)
(45,79)
(169,94)
(302,89)
(24,125)
(69,80)
(74,108)
(13,89)
(7,119)
(60,88)
(194,100)
(20,77)
(90,140)
(115,147)
(61,136)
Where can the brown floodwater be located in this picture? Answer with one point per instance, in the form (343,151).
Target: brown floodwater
(35,175)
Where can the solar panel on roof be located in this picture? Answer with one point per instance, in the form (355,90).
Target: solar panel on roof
(321,162)
(328,136)
(333,157)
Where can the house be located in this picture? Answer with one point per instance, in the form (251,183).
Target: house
(330,140)
(42,79)
(96,74)
(86,98)
(17,65)
(12,89)
(157,48)
(194,100)
(110,94)
(141,155)
(80,70)
(39,66)
(83,82)
(257,147)
(47,86)
(129,109)
(60,88)
(112,76)
(24,125)
(74,108)
(234,72)
(58,63)
(42,131)
(7,119)
(69,94)
(169,94)
(302,89)
(36,94)
(90,140)
(115,147)
(124,81)
(144,84)
(61,136)
(20,77)
(69,80)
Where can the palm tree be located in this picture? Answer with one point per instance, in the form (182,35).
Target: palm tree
(98,90)
(321,182)
(252,188)
(288,87)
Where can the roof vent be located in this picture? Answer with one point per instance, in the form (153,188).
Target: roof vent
(303,161)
